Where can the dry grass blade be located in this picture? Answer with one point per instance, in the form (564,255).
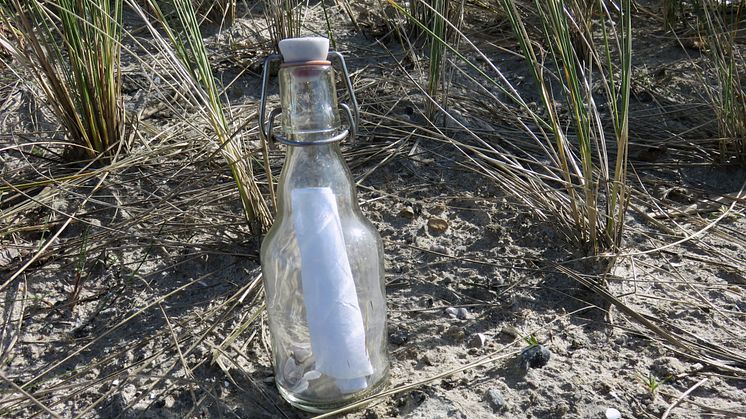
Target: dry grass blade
(220,11)
(41,405)
(433,14)
(186,54)
(707,353)
(80,75)
(284,18)
(593,199)
(138,280)
(589,176)
(721,23)
(486,360)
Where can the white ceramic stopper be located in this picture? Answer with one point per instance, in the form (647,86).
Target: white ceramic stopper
(310,48)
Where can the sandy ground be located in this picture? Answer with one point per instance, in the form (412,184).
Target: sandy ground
(138,308)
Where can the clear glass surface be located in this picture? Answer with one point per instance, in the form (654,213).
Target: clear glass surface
(319,166)
(309,102)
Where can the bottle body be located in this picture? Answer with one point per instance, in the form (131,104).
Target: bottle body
(322,263)
(295,360)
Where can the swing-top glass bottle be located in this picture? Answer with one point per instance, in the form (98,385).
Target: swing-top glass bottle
(322,260)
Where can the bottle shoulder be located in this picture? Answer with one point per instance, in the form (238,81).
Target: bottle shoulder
(357,230)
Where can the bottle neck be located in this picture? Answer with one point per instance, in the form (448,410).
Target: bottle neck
(310,114)
(309,101)
(316,166)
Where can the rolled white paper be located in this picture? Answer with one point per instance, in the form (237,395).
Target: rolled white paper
(335,323)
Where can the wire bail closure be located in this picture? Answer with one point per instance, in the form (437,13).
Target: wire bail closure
(267,133)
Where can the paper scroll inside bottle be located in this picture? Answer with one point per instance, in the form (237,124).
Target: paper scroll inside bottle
(335,322)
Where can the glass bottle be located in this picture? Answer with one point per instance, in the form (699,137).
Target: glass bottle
(322,260)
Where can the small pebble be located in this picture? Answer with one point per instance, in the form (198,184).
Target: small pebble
(427,302)
(371,414)
(440,249)
(301,355)
(399,337)
(454,334)
(429,360)
(407,212)
(437,225)
(452,312)
(612,413)
(509,331)
(476,340)
(496,399)
(457,313)
(669,367)
(438,209)
(535,356)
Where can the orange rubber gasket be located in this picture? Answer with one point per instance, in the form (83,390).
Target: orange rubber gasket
(314,62)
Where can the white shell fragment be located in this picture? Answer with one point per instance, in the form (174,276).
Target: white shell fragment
(612,413)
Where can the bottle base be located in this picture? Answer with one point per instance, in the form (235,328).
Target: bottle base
(315,406)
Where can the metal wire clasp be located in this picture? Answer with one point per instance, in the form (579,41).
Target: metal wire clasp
(266,132)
